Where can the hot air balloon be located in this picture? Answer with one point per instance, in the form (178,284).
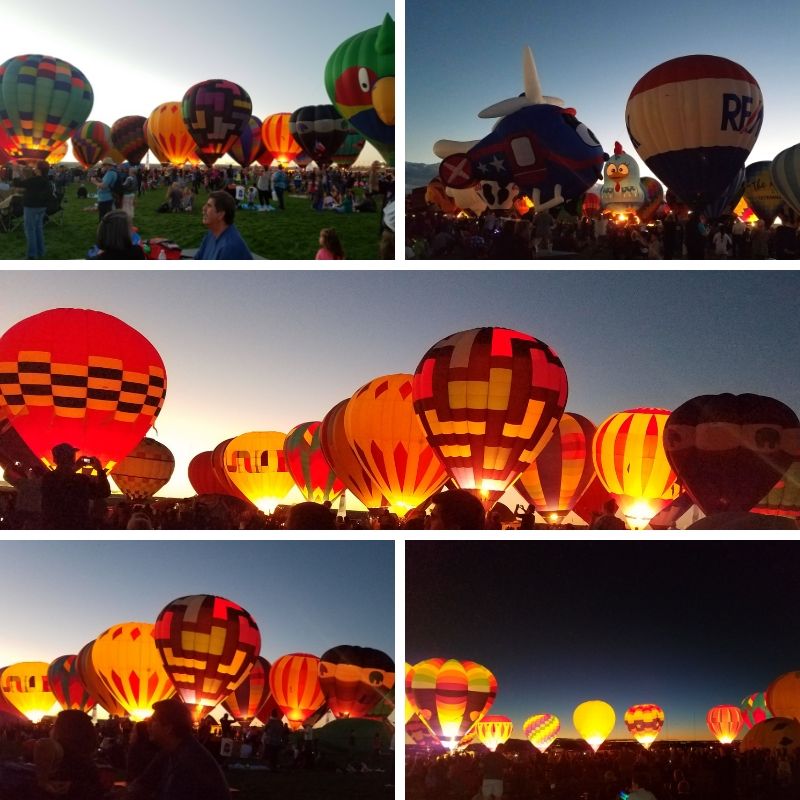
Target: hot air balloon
(168,136)
(216,112)
(202,476)
(644,722)
(542,730)
(145,470)
(493,730)
(249,147)
(208,646)
(562,471)
(255,464)
(489,400)
(694,120)
(783,696)
(359,79)
(761,193)
(754,709)
(654,199)
(57,154)
(83,377)
(785,173)
(153,144)
(725,203)
(451,696)
(730,450)
(631,464)
(350,150)
(594,720)
(43,101)
(310,471)
(278,140)
(66,686)
(343,459)
(294,683)
(410,710)
(355,680)
(129,138)
(724,722)
(778,734)
(26,687)
(6,707)
(221,472)
(783,499)
(253,693)
(319,130)
(385,433)
(91,143)
(126,659)
(94,684)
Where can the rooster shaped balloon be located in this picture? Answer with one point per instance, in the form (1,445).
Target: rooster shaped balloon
(622,190)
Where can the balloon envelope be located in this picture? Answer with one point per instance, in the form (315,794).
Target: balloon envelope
(594,720)
(91,143)
(644,722)
(724,722)
(248,147)
(493,730)
(319,130)
(306,463)
(355,680)
(26,687)
(754,709)
(244,704)
(202,476)
(783,696)
(542,730)
(278,141)
(777,734)
(256,465)
(66,685)
(761,193)
(128,136)
(294,682)
(785,173)
(145,470)
(94,684)
(168,136)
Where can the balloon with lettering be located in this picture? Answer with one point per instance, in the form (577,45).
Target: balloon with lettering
(223,473)
(249,147)
(91,143)
(43,101)
(761,193)
(25,685)
(66,684)
(128,136)
(694,121)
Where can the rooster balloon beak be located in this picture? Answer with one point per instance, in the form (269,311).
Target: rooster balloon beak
(383,100)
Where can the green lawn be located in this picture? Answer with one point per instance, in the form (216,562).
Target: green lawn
(289,234)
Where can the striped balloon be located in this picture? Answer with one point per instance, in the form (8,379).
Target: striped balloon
(128,136)
(67,686)
(561,473)
(145,470)
(167,134)
(451,696)
(294,683)
(785,172)
(493,730)
(248,147)
(277,138)
(410,708)
(390,443)
(245,703)
(644,722)
(630,461)
(724,722)
(306,463)
(754,709)
(91,143)
(542,730)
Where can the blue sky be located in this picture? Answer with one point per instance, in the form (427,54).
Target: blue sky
(463,57)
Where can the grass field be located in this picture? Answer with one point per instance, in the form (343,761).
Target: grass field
(289,234)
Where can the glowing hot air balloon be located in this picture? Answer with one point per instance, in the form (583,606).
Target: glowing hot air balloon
(390,443)
(631,464)
(145,470)
(563,470)
(493,730)
(277,138)
(94,684)
(306,463)
(248,147)
(410,710)
(255,464)
(215,113)
(451,696)
(320,131)
(489,400)
(126,659)
(83,377)
(43,101)
(754,709)
(208,646)
(168,136)
(294,682)
(253,693)
(66,686)
(784,497)
(153,144)
(645,723)
(218,465)
(785,173)
(202,476)
(594,720)
(26,687)
(355,680)
(761,193)
(542,730)
(724,722)
(91,143)
(783,696)
(57,154)
(129,138)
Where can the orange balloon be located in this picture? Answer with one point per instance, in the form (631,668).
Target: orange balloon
(167,130)
(278,140)
(95,685)
(724,722)
(57,153)
(294,683)
(26,687)
(145,470)
(221,474)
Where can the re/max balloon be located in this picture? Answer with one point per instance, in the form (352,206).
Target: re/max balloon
(306,463)
(320,131)
(295,686)
(355,680)
(82,377)
(145,470)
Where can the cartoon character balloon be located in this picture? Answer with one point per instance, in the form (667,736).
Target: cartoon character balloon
(91,143)
(168,135)
(27,688)
(320,131)
(128,136)
(355,680)
(359,79)
(307,465)
(644,723)
(724,722)
(489,400)
(208,646)
(278,141)
(694,120)
(542,730)
(82,377)
(145,470)
(294,682)
(249,147)
(594,720)
(493,730)
(43,101)
(622,188)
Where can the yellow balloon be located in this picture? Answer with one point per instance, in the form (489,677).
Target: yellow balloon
(594,720)
(26,687)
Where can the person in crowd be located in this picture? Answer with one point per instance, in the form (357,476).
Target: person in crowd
(114,238)
(264,186)
(272,740)
(38,192)
(141,751)
(310,517)
(223,241)
(330,248)
(638,790)
(104,184)
(609,520)
(279,184)
(722,242)
(456,510)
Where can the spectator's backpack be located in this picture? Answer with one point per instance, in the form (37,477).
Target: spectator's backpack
(119,187)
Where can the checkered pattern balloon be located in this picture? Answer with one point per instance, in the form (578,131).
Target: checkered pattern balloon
(91,143)
(67,686)
(306,463)
(542,730)
(145,470)
(128,137)
(754,709)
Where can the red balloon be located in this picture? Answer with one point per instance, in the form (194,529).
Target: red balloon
(202,476)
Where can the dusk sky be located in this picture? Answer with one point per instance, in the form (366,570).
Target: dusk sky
(265,350)
(151,52)
(464,57)
(304,596)
(683,625)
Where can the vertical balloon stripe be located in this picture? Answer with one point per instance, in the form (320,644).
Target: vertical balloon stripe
(294,682)
(724,722)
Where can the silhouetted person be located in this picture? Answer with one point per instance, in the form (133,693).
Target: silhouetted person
(67,494)
(141,751)
(608,520)
(310,517)
(457,510)
(638,788)
(273,740)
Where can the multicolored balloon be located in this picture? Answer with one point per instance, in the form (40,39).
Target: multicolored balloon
(306,463)
(249,147)
(694,121)
(168,135)
(208,646)
(350,150)
(129,137)
(785,173)
(594,720)
(294,682)
(57,154)
(83,377)
(66,685)
(724,722)
(644,722)
(542,730)
(493,730)
(145,470)
(278,140)
(91,143)
(43,101)
(489,400)
(244,704)
(26,687)
(320,131)
(355,680)
(754,709)
(761,193)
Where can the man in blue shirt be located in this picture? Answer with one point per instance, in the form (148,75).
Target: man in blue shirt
(105,200)
(222,242)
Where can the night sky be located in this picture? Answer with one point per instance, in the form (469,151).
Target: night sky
(683,625)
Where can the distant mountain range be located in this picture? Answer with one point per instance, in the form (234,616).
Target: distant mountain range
(419,175)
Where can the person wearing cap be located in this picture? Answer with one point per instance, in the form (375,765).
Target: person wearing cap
(184,769)
(105,200)
(67,494)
